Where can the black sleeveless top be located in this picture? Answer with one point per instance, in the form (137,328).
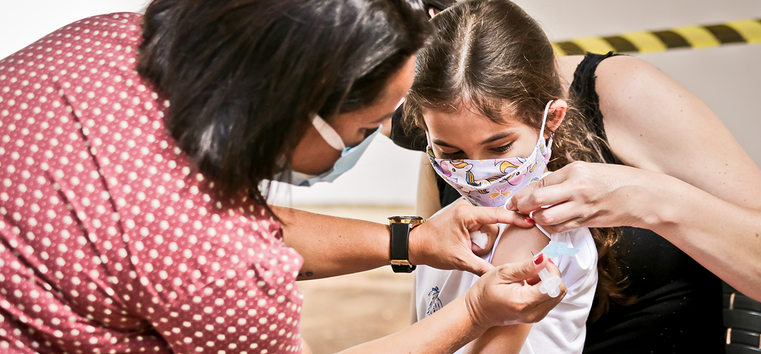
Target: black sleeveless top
(679,303)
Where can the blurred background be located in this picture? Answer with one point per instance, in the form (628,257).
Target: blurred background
(343,311)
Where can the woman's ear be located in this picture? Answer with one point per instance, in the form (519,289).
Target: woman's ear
(555,116)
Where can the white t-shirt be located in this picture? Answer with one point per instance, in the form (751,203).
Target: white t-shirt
(564,328)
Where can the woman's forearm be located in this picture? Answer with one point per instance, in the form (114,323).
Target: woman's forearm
(723,237)
(444,332)
(334,246)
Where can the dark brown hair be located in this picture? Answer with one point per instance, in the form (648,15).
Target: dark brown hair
(440,5)
(492,56)
(244,76)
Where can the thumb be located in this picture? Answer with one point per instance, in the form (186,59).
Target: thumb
(476,265)
(518,272)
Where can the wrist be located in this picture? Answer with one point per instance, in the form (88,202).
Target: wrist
(665,202)
(477,321)
(659,195)
(400,229)
(414,245)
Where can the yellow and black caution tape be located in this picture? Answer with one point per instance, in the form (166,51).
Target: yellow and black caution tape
(745,31)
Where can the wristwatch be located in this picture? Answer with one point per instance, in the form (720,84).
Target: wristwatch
(400,241)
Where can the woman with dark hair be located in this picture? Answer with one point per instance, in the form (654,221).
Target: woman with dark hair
(684,219)
(134,162)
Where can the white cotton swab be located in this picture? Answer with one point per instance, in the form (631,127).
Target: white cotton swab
(550,284)
(479,238)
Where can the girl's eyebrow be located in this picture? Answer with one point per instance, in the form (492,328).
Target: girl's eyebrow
(442,143)
(495,137)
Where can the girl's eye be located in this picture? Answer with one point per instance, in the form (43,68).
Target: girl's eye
(451,155)
(503,148)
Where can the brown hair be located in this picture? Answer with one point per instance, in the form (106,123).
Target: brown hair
(244,76)
(492,56)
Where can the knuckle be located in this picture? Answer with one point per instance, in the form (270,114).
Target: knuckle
(459,262)
(533,317)
(540,184)
(543,217)
(534,199)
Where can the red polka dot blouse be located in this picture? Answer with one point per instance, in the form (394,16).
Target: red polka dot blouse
(109,241)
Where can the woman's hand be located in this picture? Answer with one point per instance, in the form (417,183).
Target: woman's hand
(503,296)
(585,194)
(443,241)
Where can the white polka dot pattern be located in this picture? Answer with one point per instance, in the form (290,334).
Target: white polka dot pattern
(109,241)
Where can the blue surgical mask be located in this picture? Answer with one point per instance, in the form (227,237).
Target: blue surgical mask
(349,156)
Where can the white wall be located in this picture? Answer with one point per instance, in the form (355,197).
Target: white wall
(726,78)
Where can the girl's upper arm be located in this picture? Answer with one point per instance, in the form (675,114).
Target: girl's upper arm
(654,123)
(516,245)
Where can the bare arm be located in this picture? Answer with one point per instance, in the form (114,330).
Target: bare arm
(334,246)
(413,304)
(494,300)
(689,180)
(516,245)
(331,245)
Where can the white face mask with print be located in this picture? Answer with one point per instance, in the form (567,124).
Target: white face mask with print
(492,182)
(349,156)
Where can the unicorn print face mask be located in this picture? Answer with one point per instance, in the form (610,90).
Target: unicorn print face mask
(492,182)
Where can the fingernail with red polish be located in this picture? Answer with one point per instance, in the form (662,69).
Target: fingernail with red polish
(539,258)
(530,220)
(550,260)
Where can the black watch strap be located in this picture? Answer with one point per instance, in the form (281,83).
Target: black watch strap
(400,241)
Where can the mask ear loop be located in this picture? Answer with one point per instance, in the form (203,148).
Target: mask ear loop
(328,133)
(544,121)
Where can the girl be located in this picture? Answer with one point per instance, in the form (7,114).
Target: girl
(488,95)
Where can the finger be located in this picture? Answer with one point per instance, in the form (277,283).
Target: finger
(557,214)
(488,215)
(555,271)
(547,191)
(558,227)
(518,272)
(543,260)
(476,265)
(552,179)
(552,268)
